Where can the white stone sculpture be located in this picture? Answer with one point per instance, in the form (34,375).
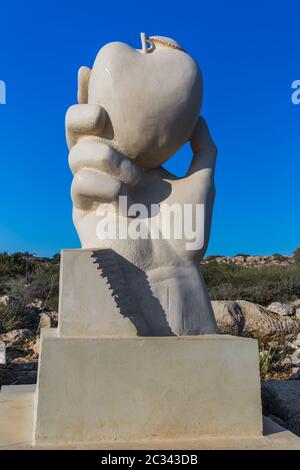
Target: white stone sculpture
(136,109)
(101,383)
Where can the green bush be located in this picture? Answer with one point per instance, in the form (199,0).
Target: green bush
(266,358)
(12,266)
(11,318)
(44,285)
(213,257)
(18,290)
(261,285)
(242,254)
(25,277)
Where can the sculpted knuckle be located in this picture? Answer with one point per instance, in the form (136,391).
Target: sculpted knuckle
(72,117)
(76,187)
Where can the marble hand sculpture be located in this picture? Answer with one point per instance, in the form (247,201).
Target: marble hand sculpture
(137,107)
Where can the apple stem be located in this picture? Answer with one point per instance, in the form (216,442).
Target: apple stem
(144,42)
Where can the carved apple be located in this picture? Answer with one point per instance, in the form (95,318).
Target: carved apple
(151,98)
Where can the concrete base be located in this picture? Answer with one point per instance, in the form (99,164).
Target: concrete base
(137,389)
(16,418)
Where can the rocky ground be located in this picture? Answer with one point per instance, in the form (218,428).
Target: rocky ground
(19,351)
(252,261)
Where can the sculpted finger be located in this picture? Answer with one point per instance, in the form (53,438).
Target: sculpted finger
(84,120)
(99,156)
(200,177)
(84,74)
(90,186)
(201,140)
(197,187)
(204,150)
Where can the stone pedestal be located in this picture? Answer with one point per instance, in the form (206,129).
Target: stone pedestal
(101,294)
(98,382)
(90,295)
(93,390)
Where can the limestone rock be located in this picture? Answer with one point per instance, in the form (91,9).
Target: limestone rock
(45,321)
(2,353)
(244,318)
(281,309)
(36,304)
(48,320)
(286,362)
(54,318)
(36,346)
(16,337)
(281,399)
(296,358)
(253,261)
(296,373)
(298,313)
(228,316)
(296,303)
(4,300)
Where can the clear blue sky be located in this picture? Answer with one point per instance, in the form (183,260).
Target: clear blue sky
(249,53)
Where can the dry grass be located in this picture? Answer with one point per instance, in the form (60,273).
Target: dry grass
(272,354)
(11,319)
(261,285)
